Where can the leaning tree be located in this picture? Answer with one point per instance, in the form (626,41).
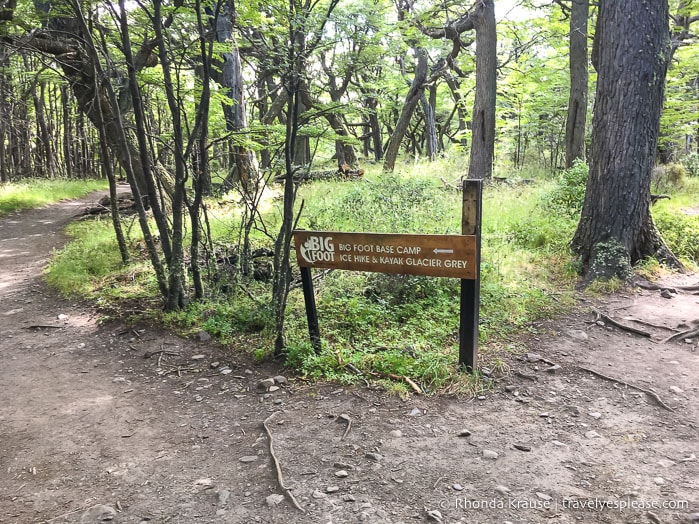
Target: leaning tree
(630,53)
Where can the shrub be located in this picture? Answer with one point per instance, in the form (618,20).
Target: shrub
(691,164)
(569,194)
(668,176)
(389,204)
(680,232)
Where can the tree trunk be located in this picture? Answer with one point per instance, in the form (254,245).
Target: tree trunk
(483,126)
(428,108)
(243,164)
(630,53)
(417,89)
(577,102)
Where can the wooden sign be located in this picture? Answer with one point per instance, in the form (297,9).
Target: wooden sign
(456,256)
(427,255)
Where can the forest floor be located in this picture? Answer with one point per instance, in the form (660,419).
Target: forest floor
(106,422)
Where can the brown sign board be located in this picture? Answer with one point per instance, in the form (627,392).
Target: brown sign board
(427,255)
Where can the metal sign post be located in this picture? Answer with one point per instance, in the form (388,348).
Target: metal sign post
(455,256)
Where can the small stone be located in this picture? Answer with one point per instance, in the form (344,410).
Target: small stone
(348,498)
(521,447)
(198,357)
(265,384)
(396,433)
(203,336)
(596,415)
(481,397)
(503,490)
(332,489)
(415,412)
(659,480)
(198,398)
(214,365)
(220,512)
(62,317)
(693,517)
(280,379)
(592,434)
(248,458)
(577,334)
(274,499)
(319,495)
(489,454)
(464,433)
(376,457)
(341,474)
(543,496)
(532,357)
(222,497)
(226,371)
(666,293)
(434,515)
(272,389)
(574,411)
(545,414)
(509,388)
(458,487)
(676,390)
(553,368)
(98,513)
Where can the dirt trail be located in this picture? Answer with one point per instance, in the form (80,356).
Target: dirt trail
(91,430)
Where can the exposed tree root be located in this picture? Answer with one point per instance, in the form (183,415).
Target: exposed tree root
(651,286)
(277,467)
(610,320)
(682,335)
(648,392)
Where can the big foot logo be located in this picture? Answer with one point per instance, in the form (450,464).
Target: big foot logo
(318,249)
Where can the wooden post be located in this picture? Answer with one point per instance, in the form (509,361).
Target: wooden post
(470,289)
(311,311)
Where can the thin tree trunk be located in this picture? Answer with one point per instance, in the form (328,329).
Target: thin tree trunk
(417,88)
(577,101)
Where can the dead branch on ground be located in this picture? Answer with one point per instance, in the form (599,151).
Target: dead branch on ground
(348,420)
(277,467)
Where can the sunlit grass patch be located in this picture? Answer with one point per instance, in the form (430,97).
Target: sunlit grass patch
(16,196)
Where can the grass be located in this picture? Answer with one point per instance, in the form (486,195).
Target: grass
(29,194)
(677,219)
(385,327)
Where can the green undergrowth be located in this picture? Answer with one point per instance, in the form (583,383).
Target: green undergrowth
(677,219)
(17,196)
(90,265)
(376,326)
(383,328)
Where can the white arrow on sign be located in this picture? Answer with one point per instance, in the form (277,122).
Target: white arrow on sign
(438,251)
